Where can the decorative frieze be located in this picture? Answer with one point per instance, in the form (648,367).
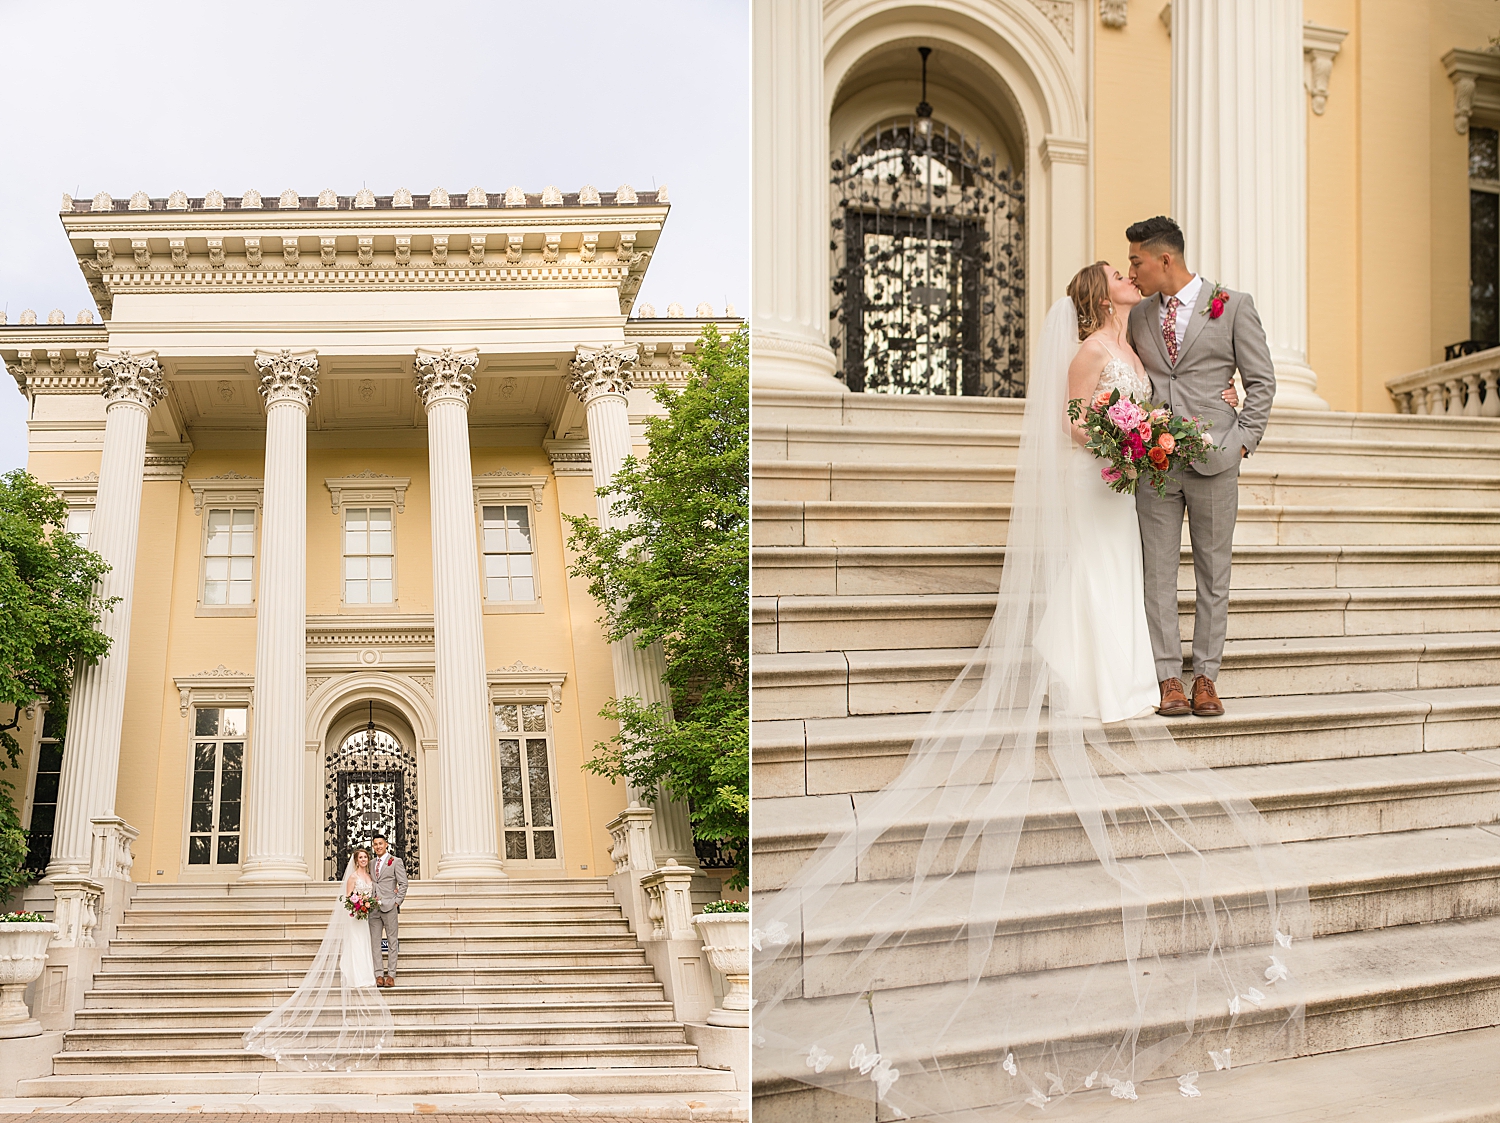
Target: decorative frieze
(220,686)
(368,487)
(504,486)
(288,375)
(446,374)
(520,681)
(128,377)
(229,489)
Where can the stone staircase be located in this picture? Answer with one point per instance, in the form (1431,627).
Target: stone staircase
(520,987)
(1363,677)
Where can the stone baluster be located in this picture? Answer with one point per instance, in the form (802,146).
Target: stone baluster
(600,379)
(1403,403)
(275,790)
(132,384)
(1455,397)
(468,836)
(1434,400)
(1471,395)
(1491,405)
(1239,166)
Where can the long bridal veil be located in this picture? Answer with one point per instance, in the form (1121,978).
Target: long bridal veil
(1038,905)
(336,1019)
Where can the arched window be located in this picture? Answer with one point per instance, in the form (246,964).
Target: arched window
(928,274)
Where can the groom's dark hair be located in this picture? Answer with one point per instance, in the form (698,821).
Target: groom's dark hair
(382,838)
(1159,233)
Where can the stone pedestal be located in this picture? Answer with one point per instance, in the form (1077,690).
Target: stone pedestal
(1239,166)
(274,839)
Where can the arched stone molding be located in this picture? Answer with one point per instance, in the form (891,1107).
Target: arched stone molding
(337,703)
(1021,87)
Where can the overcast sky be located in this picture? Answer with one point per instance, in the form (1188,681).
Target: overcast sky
(159,95)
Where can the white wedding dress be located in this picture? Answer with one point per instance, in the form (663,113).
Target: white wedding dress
(336,1019)
(1094,635)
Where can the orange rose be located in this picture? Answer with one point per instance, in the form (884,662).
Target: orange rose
(1158,457)
(1102,400)
(1167,442)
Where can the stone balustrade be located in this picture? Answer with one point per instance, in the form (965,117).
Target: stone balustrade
(1464,387)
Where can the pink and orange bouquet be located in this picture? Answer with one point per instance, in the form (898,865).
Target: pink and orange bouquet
(359,905)
(1135,441)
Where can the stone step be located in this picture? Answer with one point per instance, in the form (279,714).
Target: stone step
(189,959)
(1360,988)
(150,1037)
(414,928)
(160,912)
(911,570)
(1070,916)
(835,684)
(468,1077)
(516,895)
(985,524)
(247,990)
(865,753)
(421,1058)
(1299,800)
(1261,484)
(428,1013)
(929,620)
(220,973)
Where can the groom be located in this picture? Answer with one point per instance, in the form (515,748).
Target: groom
(389,874)
(1192,334)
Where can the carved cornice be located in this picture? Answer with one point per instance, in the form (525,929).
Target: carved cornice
(569,456)
(601,370)
(288,376)
(1476,86)
(230,490)
(1320,45)
(134,378)
(368,487)
(446,375)
(502,485)
(520,681)
(219,685)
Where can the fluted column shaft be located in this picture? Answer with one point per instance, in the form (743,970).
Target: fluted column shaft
(468,835)
(96,709)
(600,379)
(1239,166)
(789,199)
(275,842)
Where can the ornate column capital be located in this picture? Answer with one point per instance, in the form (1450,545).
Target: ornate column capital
(288,375)
(446,375)
(602,370)
(128,377)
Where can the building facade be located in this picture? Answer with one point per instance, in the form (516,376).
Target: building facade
(327,444)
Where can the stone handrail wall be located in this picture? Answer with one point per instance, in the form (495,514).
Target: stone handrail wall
(1464,387)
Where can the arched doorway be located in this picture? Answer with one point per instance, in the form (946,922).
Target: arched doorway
(369,788)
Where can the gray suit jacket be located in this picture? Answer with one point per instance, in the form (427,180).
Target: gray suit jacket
(1206,361)
(390,881)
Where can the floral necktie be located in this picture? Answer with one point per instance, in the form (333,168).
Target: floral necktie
(1169,328)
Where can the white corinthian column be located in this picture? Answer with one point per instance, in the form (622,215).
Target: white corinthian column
(90,766)
(600,378)
(789,200)
(469,837)
(1239,166)
(275,790)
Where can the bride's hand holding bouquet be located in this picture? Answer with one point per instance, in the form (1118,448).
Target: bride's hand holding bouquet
(360,903)
(1135,442)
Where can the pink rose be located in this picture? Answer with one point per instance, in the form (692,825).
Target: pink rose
(1125,414)
(1144,430)
(1110,475)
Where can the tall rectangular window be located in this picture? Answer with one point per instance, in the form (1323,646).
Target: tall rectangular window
(526,780)
(1484,234)
(44,794)
(369,556)
(218,772)
(80,519)
(229,557)
(509,564)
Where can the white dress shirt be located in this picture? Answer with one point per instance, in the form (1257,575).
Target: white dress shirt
(1188,294)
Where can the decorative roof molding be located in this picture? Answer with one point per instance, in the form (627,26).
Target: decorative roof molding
(520,681)
(230,490)
(1320,45)
(404,630)
(368,487)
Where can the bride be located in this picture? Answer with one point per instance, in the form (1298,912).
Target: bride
(336,1018)
(953,952)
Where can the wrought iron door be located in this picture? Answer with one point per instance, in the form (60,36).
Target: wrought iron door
(370,803)
(370,788)
(928,278)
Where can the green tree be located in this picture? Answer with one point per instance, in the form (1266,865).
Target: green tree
(674,569)
(49,617)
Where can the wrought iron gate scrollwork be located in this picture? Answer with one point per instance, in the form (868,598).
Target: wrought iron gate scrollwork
(928,274)
(370,786)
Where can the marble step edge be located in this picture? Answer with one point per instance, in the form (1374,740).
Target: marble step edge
(84,1039)
(133,927)
(419,889)
(404,1082)
(1358,988)
(601,994)
(100,1017)
(627,1051)
(941,510)
(410,973)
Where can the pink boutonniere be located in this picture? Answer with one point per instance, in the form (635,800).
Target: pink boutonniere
(1216,302)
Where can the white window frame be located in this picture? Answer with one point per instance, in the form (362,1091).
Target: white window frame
(520,685)
(503,487)
(219,688)
(79,494)
(369,489)
(229,491)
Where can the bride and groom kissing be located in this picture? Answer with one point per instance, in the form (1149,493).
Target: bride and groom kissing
(1170,337)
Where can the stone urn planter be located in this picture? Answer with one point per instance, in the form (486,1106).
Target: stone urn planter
(23,951)
(726,942)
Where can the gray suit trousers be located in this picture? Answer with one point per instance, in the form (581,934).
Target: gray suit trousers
(390,924)
(1212,504)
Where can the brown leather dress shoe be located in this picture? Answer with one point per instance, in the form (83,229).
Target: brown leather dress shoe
(390,980)
(1174,701)
(1205,699)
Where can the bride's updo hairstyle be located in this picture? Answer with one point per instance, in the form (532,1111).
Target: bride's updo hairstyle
(1089,289)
